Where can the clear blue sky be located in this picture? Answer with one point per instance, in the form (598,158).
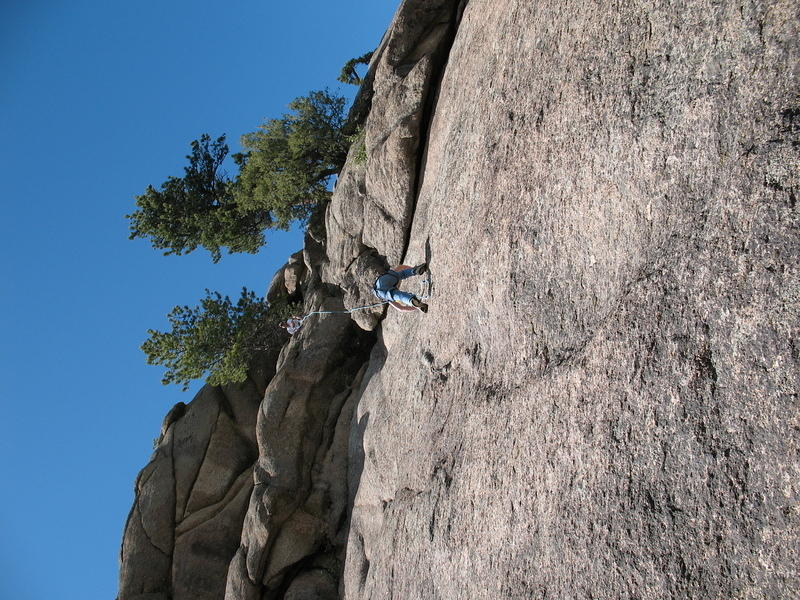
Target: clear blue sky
(98,99)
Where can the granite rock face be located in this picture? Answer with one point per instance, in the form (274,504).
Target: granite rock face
(191,498)
(298,506)
(602,401)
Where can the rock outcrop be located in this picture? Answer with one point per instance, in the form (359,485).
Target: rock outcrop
(192,497)
(603,399)
(298,506)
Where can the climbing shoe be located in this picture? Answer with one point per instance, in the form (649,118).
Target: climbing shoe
(420,269)
(417,303)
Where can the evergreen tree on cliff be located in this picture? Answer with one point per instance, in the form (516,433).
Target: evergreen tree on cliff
(217,339)
(197,209)
(289,161)
(349,74)
(283,177)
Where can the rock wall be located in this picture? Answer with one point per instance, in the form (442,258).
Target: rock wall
(298,505)
(603,399)
(191,498)
(370,214)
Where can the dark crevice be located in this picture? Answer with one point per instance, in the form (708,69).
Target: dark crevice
(174,415)
(365,565)
(259,387)
(174,485)
(428,112)
(305,565)
(173,509)
(366,250)
(225,406)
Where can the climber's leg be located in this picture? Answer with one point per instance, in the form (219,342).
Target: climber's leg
(405,273)
(396,295)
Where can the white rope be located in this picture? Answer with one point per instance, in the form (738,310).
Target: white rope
(424,294)
(343,312)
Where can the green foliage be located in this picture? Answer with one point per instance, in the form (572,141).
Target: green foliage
(357,140)
(198,209)
(349,73)
(283,177)
(288,162)
(217,339)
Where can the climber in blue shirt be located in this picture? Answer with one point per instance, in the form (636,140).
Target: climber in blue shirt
(385,286)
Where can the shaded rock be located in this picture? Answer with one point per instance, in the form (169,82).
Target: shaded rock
(366,268)
(175,413)
(288,280)
(190,499)
(286,522)
(313,585)
(146,552)
(294,273)
(206,541)
(277,286)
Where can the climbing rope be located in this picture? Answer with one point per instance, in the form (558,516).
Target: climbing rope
(423,294)
(342,312)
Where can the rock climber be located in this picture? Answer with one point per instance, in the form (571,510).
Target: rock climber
(385,286)
(292,324)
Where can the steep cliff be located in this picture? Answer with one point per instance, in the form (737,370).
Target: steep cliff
(603,399)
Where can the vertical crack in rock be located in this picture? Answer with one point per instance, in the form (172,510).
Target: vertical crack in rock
(429,111)
(174,506)
(150,540)
(372,208)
